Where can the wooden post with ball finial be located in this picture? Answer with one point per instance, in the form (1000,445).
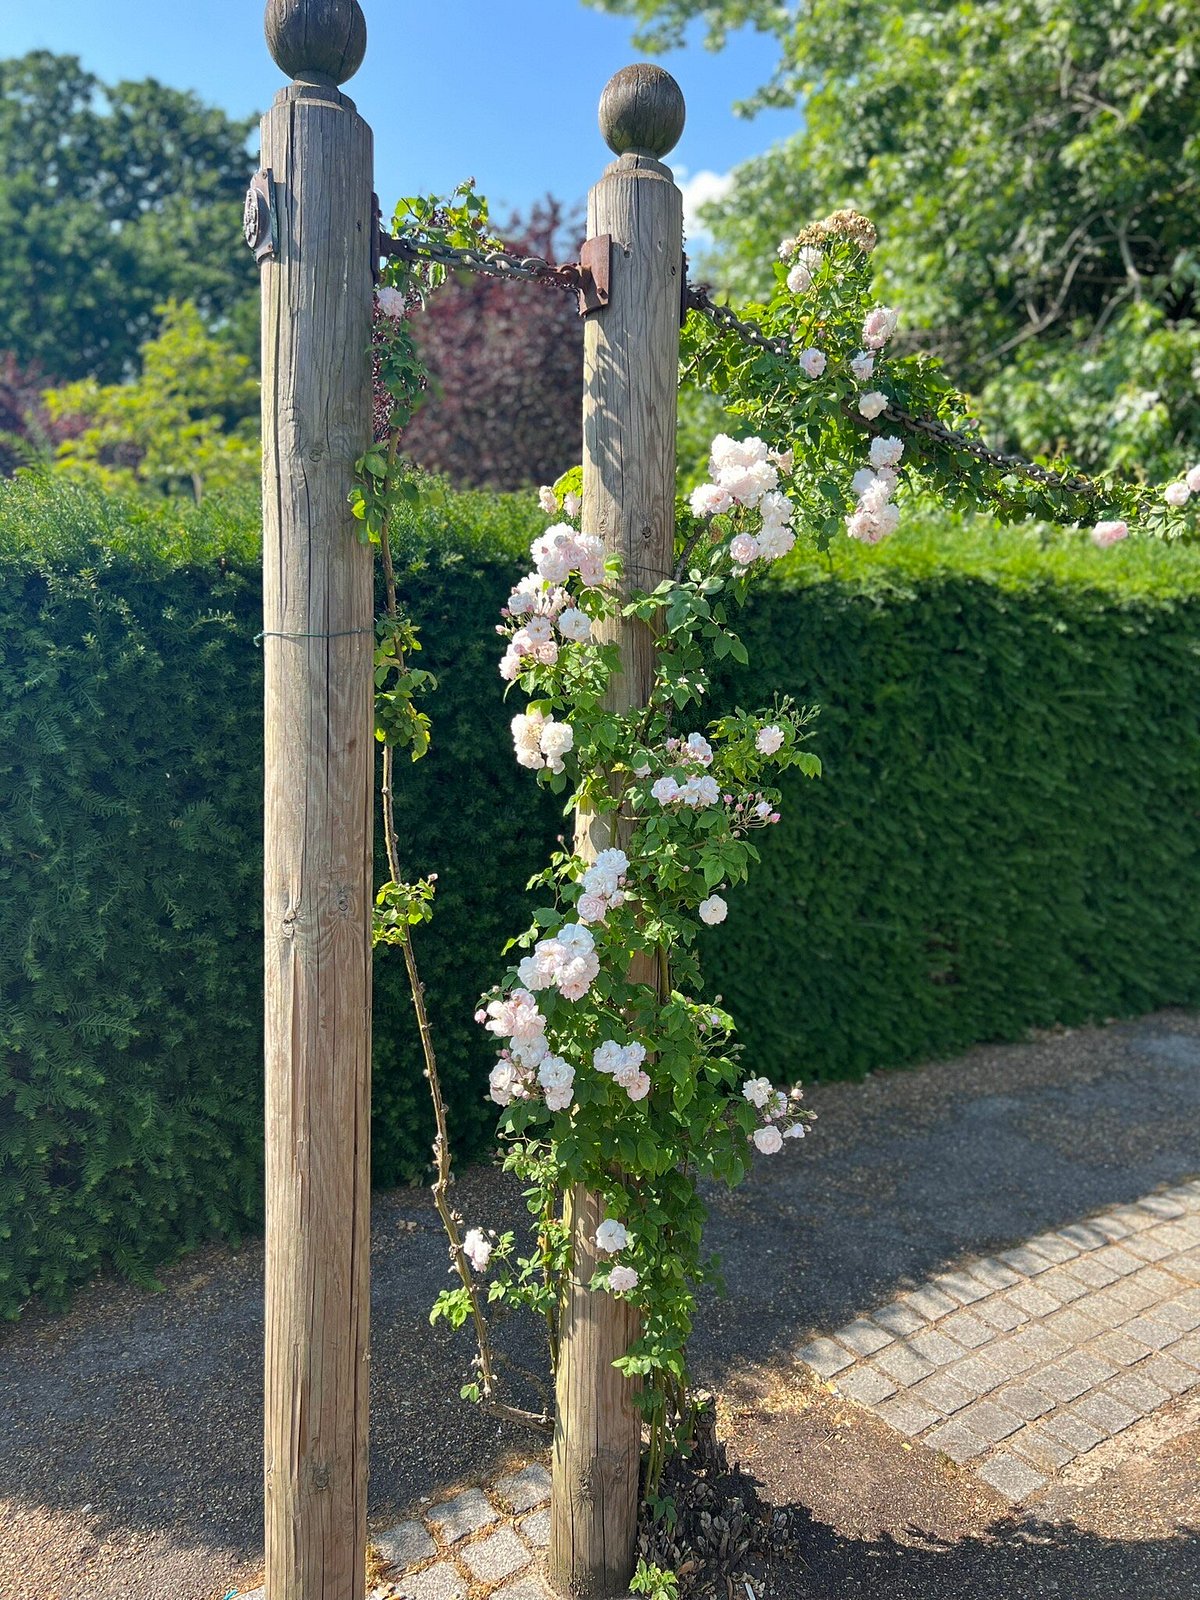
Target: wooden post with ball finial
(630,364)
(309,218)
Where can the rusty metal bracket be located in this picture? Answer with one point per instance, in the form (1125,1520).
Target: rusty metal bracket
(595,273)
(258,218)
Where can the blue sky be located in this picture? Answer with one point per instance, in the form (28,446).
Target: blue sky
(501,90)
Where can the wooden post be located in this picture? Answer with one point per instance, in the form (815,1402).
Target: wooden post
(315,244)
(631,358)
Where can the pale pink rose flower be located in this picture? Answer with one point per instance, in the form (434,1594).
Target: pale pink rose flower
(813,362)
(709,500)
(571,505)
(621,1279)
(637,1086)
(744,549)
(1177,494)
(879,326)
(799,279)
(1192,479)
(591,907)
(768,1141)
(871,404)
(886,451)
(390,301)
(548,500)
(862,365)
(1106,533)
(477,1249)
(768,740)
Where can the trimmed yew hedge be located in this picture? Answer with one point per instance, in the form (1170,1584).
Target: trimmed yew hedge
(1006,835)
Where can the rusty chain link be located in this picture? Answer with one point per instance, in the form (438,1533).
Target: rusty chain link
(699,298)
(492,263)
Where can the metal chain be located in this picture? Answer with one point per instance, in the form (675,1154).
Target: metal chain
(492,263)
(699,298)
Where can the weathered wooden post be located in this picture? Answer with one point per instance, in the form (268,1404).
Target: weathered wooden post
(631,357)
(309,217)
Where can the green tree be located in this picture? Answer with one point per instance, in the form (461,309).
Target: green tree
(187,422)
(112,199)
(1032,168)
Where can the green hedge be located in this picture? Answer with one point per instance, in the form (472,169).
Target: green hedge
(1005,836)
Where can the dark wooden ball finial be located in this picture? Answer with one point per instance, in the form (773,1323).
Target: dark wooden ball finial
(328,37)
(642,111)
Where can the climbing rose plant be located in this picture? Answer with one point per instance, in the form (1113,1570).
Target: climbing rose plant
(614,1068)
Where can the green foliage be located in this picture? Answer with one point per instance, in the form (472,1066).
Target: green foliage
(187,422)
(1003,835)
(113,198)
(1029,163)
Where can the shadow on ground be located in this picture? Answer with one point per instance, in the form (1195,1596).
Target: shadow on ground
(132,1424)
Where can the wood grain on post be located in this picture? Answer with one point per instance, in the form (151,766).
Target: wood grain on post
(317,647)
(631,357)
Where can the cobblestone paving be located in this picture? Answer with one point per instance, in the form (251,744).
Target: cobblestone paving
(485,1540)
(1017,1364)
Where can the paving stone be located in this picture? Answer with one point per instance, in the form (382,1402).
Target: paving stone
(1074,1325)
(1047,1453)
(1061,1382)
(530,1587)
(1185,1318)
(1023,1400)
(956,1440)
(466,1513)
(1062,1283)
(1026,1261)
(943,1392)
(1011,1357)
(1185,1266)
(993,1274)
(1152,1331)
(1118,1347)
(1138,1391)
(968,1330)
(1084,1235)
(1103,1412)
(824,1357)
(1000,1313)
(537,1528)
(498,1556)
(1015,1479)
(1039,1343)
(1159,1206)
(980,1373)
(1119,1260)
(865,1385)
(1032,1299)
(990,1421)
(898,1319)
(1148,1249)
(907,1415)
(934,1347)
(930,1302)
(1111,1226)
(1172,1375)
(1071,1430)
(1161,1280)
(1186,1350)
(902,1364)
(1054,1247)
(523,1490)
(1089,1270)
(1178,1236)
(1130,1217)
(404,1545)
(1133,1294)
(439,1582)
(961,1286)
(863,1337)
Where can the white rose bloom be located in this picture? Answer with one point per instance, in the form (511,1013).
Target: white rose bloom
(575,624)
(886,452)
(621,1279)
(758,1091)
(1177,494)
(743,549)
(768,740)
(611,1237)
(768,1141)
(477,1249)
(871,404)
(713,910)
(548,500)
(556,739)
(665,789)
(799,279)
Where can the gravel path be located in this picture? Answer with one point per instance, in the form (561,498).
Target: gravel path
(131,1425)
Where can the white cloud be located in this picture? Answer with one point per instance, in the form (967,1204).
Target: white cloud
(697,191)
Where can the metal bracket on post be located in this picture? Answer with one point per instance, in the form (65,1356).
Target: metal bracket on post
(595,273)
(258,218)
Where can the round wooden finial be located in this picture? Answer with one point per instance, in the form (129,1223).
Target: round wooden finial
(328,37)
(642,111)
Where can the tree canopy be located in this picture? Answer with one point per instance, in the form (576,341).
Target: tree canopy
(113,198)
(1032,168)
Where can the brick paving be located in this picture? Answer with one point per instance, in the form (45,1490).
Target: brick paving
(1016,1365)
